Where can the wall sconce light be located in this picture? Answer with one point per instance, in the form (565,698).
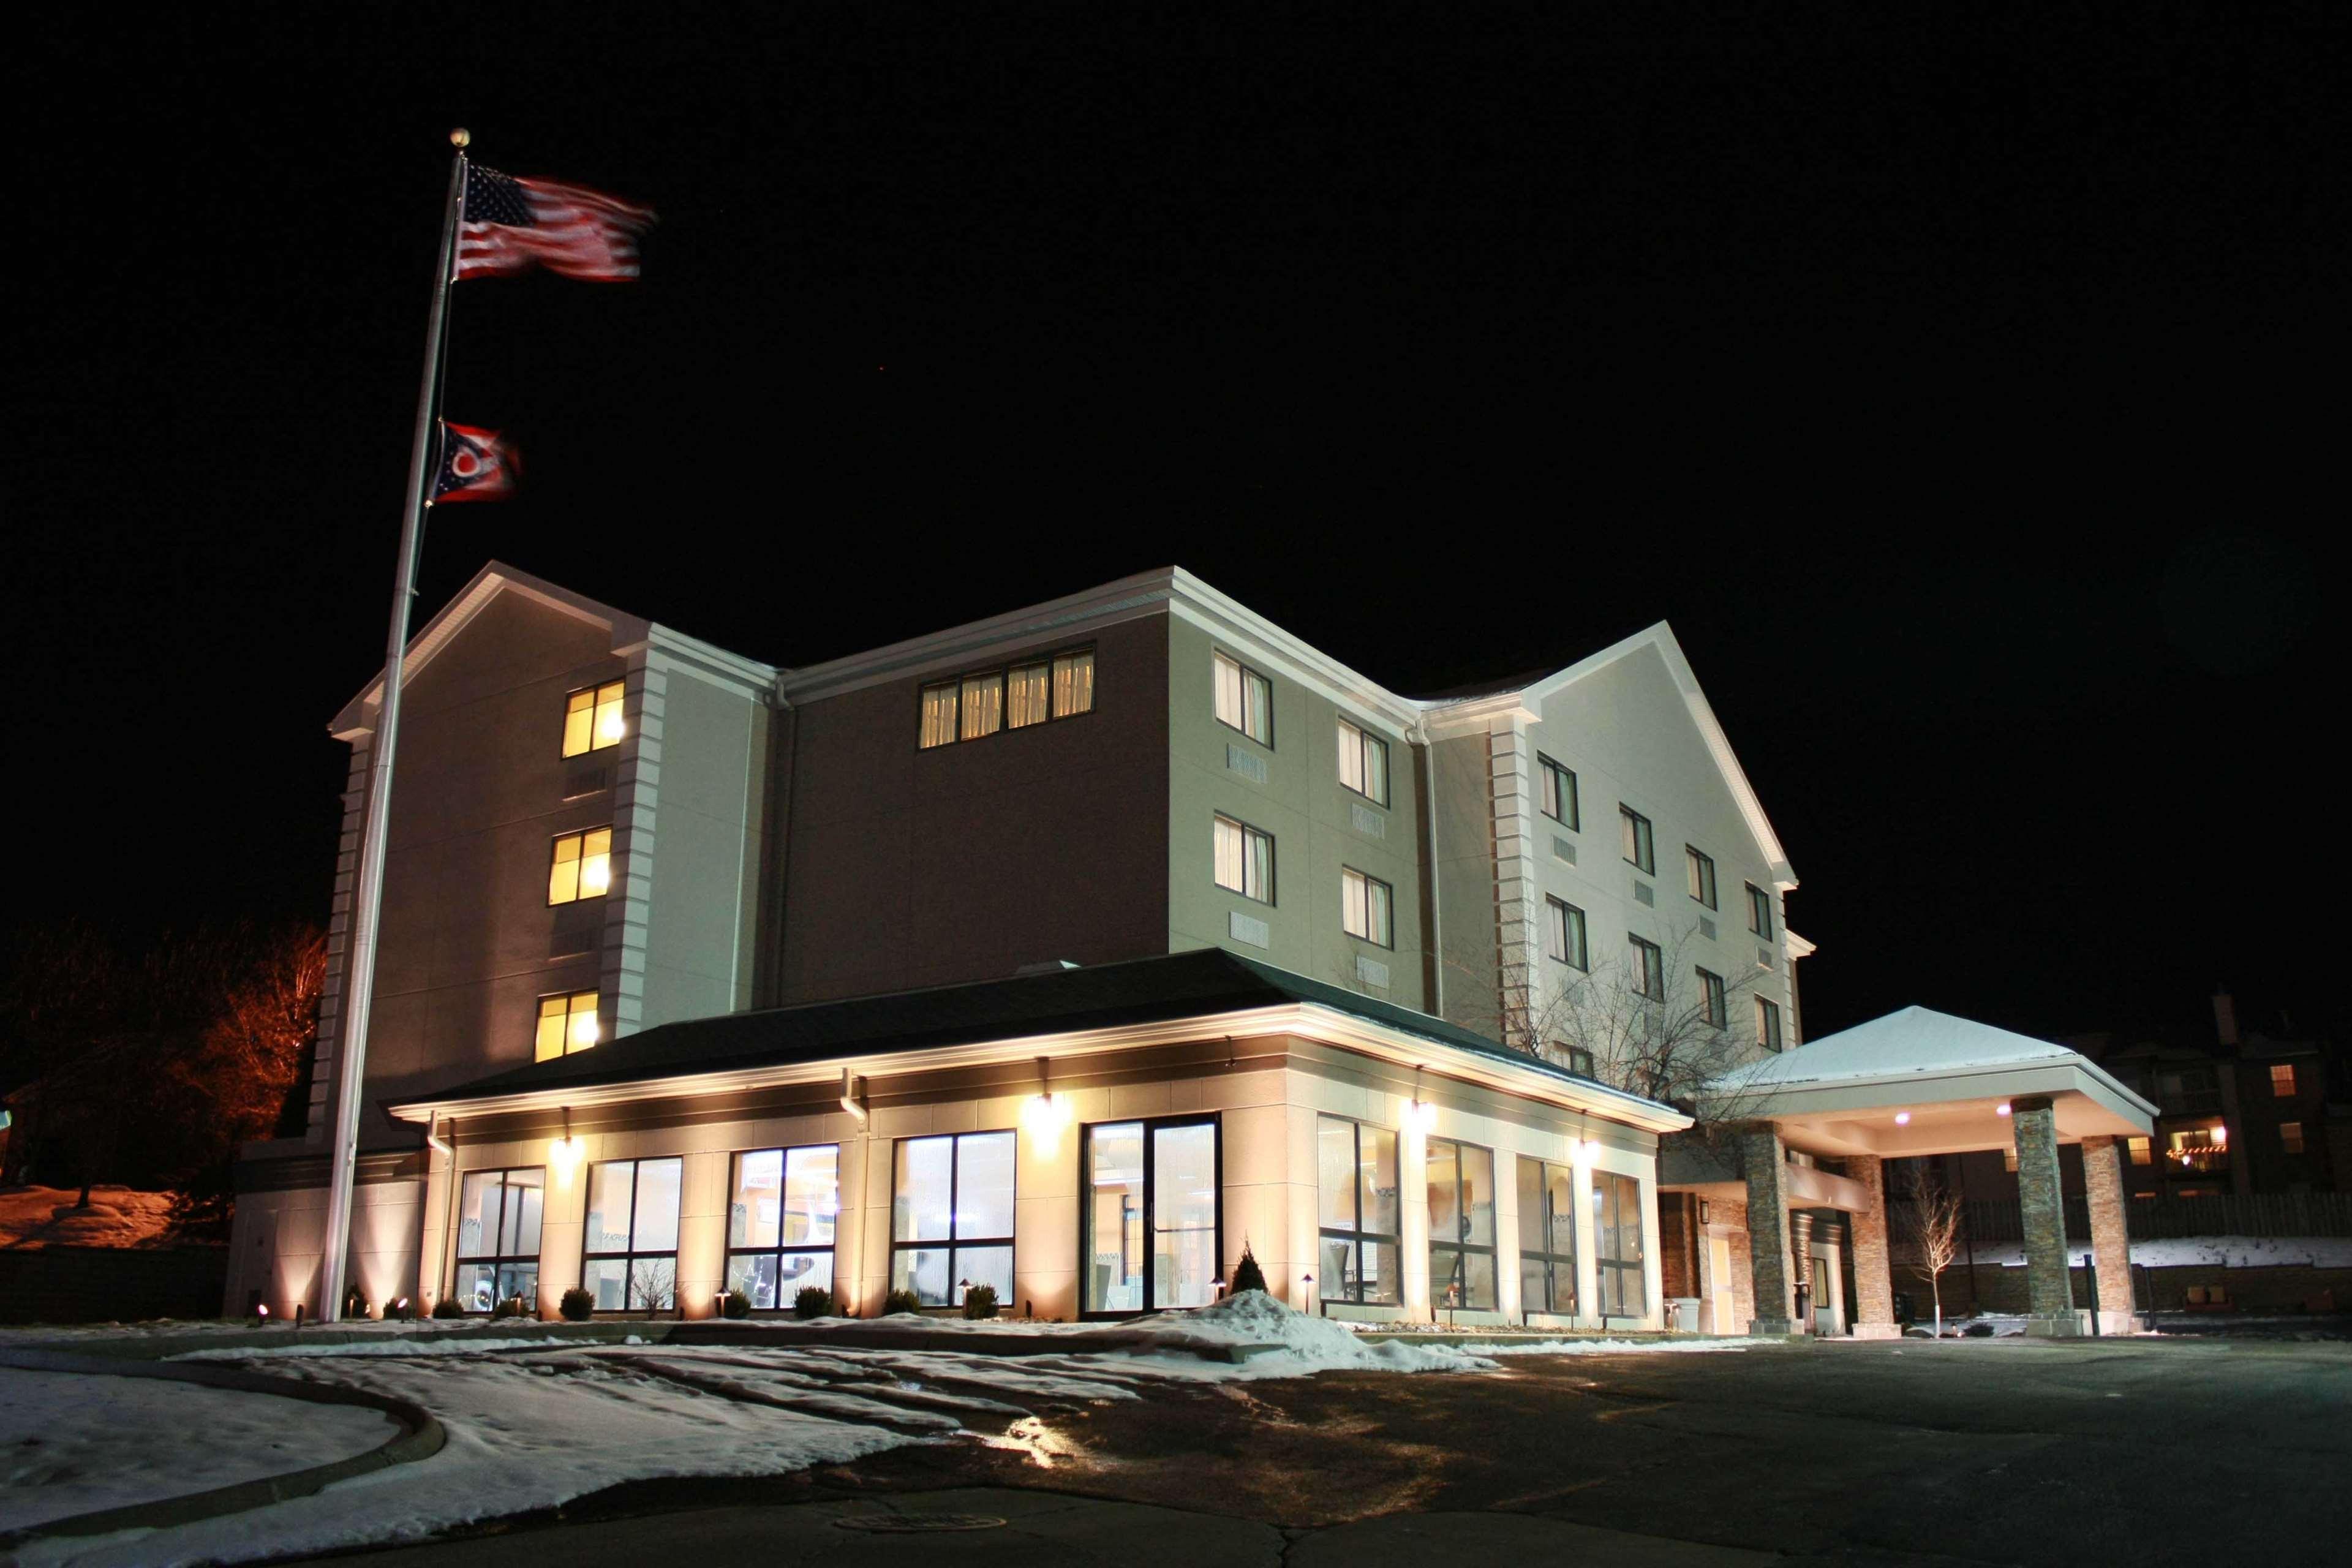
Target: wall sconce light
(564,1153)
(1420,1115)
(1045,1112)
(1901,1119)
(2220,1134)
(2001,1109)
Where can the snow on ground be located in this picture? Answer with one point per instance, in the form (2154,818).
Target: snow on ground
(49,1216)
(74,1445)
(533,1422)
(2225,1251)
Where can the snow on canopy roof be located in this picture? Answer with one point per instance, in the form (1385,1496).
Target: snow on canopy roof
(1917,1039)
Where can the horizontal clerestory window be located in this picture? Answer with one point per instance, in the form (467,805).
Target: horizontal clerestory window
(986,702)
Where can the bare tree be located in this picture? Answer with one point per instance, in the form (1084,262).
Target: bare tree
(1931,1213)
(1648,1022)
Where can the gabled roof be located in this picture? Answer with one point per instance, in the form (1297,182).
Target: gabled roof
(1464,712)
(1201,984)
(628,631)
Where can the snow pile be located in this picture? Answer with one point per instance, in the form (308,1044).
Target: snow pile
(1610,1347)
(74,1445)
(2203,1251)
(52,1217)
(1300,1344)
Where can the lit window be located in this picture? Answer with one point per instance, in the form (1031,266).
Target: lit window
(629,1251)
(593,719)
(582,867)
(1633,835)
(1028,696)
(2203,1151)
(1461,1225)
(1710,987)
(1564,934)
(938,715)
(779,1222)
(1547,1237)
(2282,1080)
(1245,860)
(1073,684)
(1363,764)
(1364,908)
(1244,700)
(1649,973)
(1701,875)
(1617,1244)
(1759,910)
(951,1216)
(566,1023)
(989,701)
(1768,1023)
(2139,1149)
(1356,1187)
(2291,1137)
(1559,792)
(982,705)
(498,1216)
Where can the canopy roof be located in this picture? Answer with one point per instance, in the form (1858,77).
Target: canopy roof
(1950,1081)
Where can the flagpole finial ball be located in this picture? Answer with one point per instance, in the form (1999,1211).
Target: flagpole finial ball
(460,137)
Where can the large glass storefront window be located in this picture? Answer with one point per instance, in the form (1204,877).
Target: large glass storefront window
(1617,1244)
(1547,1237)
(498,1237)
(951,1216)
(779,1222)
(1356,1181)
(629,1259)
(1152,1214)
(1461,1225)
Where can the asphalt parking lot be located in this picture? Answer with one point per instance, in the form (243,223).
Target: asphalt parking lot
(2006,1451)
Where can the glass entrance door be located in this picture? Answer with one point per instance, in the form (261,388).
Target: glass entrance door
(1153,1207)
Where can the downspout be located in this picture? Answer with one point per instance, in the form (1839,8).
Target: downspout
(1435,977)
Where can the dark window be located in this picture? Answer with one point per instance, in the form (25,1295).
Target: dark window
(1356,1183)
(1648,972)
(1768,1023)
(629,1245)
(1564,934)
(1559,792)
(1710,987)
(499,1215)
(1461,1225)
(1701,870)
(1759,910)
(779,1222)
(1635,838)
(1617,1244)
(1547,1237)
(951,1216)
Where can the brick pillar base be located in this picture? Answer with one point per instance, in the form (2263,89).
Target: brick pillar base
(2049,1290)
(1764,1161)
(1873,1281)
(2103,1184)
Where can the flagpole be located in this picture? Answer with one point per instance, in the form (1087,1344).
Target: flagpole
(367,905)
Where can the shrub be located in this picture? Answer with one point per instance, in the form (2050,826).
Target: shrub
(901,1301)
(447,1307)
(398,1310)
(512,1307)
(735,1304)
(577,1305)
(1247,1274)
(355,1305)
(814,1302)
(980,1302)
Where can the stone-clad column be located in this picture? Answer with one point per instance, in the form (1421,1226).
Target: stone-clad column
(2049,1292)
(1873,1283)
(1764,1161)
(2103,1184)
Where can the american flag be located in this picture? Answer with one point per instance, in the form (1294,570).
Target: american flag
(512,224)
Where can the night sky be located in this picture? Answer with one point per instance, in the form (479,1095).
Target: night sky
(1968,399)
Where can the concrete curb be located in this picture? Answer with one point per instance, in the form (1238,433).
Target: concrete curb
(421,1437)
